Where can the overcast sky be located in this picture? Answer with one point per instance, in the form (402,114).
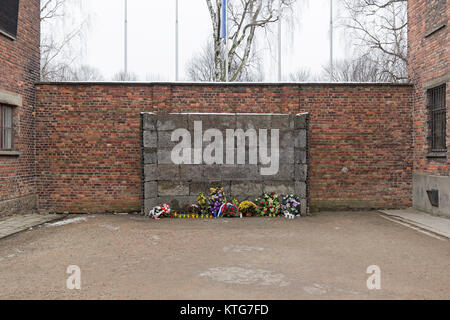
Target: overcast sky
(151,37)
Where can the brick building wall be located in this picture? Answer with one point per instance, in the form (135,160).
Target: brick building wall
(429,67)
(19,70)
(88,139)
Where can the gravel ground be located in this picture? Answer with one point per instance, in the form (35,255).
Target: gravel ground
(131,257)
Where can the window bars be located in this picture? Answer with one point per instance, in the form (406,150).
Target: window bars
(437,119)
(6,131)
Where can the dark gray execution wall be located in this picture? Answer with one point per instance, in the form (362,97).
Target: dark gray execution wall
(246,154)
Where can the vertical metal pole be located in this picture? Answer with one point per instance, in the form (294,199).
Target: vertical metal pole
(227,78)
(331,43)
(176,43)
(126,38)
(279,42)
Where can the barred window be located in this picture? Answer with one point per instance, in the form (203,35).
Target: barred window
(6,130)
(437,118)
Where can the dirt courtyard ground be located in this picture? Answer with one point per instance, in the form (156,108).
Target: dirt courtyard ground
(130,257)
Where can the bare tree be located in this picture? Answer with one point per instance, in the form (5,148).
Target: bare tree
(361,69)
(379,28)
(301,75)
(58,54)
(85,73)
(125,76)
(155,77)
(50,9)
(245,18)
(201,67)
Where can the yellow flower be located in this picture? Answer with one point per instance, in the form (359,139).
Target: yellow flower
(246,205)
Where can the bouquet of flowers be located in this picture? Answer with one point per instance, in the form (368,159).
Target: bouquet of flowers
(216,200)
(194,209)
(228,210)
(203,203)
(158,211)
(248,208)
(290,206)
(268,205)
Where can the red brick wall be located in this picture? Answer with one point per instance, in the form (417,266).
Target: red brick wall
(428,66)
(88,138)
(19,70)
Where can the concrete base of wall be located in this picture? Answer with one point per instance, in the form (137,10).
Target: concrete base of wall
(24,205)
(422,183)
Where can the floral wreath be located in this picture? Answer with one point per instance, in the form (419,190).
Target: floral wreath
(268,205)
(290,206)
(228,210)
(217,199)
(157,211)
